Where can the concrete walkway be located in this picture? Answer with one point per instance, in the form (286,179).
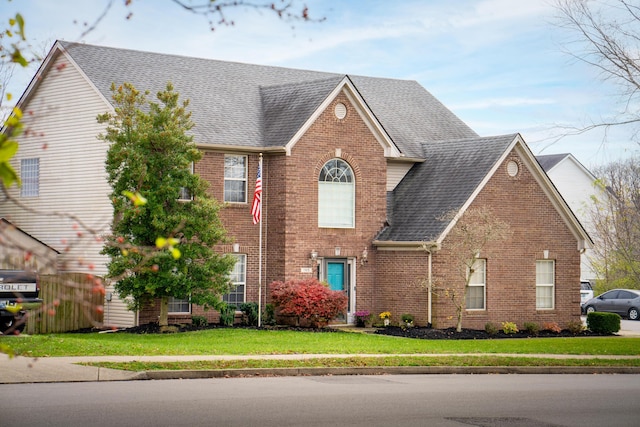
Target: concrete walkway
(67,369)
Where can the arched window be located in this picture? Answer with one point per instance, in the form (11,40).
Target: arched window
(336,195)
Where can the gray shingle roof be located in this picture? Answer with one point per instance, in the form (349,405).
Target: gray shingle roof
(287,107)
(548,161)
(227,98)
(453,170)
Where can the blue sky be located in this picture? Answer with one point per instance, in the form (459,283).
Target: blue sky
(497,64)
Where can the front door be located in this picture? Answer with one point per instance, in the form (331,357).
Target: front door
(337,276)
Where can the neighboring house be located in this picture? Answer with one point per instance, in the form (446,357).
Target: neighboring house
(358,173)
(577,186)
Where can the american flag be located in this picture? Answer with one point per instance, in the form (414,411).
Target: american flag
(256,206)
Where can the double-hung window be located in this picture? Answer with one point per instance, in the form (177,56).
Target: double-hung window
(179,305)
(238,280)
(476,293)
(30,177)
(235,178)
(545,284)
(336,195)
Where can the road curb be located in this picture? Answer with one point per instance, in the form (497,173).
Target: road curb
(391,370)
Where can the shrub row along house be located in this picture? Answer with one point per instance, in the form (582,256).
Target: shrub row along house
(360,177)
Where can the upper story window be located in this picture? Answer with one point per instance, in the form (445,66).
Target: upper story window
(235,178)
(545,284)
(30,177)
(476,293)
(336,195)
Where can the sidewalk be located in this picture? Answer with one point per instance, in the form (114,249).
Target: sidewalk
(66,369)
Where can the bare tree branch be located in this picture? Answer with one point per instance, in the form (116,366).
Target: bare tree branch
(606,37)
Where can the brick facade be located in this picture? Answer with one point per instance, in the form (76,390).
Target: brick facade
(536,227)
(390,280)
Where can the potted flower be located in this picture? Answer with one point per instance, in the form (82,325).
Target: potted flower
(362,317)
(407,319)
(385,316)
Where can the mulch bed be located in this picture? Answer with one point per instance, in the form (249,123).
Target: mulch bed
(472,334)
(414,332)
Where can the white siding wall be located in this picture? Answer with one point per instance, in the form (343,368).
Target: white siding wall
(576,187)
(61,118)
(395,172)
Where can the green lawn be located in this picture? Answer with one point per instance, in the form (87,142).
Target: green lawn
(235,341)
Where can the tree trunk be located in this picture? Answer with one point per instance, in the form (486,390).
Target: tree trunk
(163,319)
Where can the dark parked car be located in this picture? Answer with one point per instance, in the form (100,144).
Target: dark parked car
(19,290)
(625,302)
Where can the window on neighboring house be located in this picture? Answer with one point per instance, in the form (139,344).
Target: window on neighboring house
(475,299)
(239,280)
(545,284)
(336,195)
(179,305)
(30,177)
(235,178)
(185,193)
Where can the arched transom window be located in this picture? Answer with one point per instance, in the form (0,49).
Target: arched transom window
(336,195)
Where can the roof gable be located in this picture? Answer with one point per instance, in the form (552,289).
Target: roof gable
(446,181)
(552,162)
(449,180)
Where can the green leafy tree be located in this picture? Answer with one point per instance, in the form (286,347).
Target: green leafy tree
(162,245)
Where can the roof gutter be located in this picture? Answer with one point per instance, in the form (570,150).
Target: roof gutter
(419,245)
(224,147)
(403,159)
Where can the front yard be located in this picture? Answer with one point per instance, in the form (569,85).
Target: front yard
(243,341)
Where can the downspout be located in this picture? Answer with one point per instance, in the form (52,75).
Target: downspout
(429,288)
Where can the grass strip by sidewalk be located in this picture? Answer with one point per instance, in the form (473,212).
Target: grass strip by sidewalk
(339,362)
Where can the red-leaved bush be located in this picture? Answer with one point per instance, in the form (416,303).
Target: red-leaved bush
(308,299)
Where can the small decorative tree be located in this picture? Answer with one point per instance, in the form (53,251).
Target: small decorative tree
(308,299)
(474,231)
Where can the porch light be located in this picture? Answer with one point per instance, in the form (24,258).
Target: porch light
(364,259)
(314,255)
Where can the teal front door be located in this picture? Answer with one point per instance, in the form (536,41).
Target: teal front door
(335,275)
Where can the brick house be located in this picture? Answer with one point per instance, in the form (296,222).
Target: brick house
(357,174)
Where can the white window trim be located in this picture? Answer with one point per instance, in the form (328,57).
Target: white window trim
(353,207)
(244,283)
(547,285)
(30,184)
(483,284)
(180,312)
(245,179)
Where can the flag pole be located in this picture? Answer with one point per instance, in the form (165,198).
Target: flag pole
(260,255)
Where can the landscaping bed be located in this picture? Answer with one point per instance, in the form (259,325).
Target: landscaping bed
(473,334)
(413,332)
